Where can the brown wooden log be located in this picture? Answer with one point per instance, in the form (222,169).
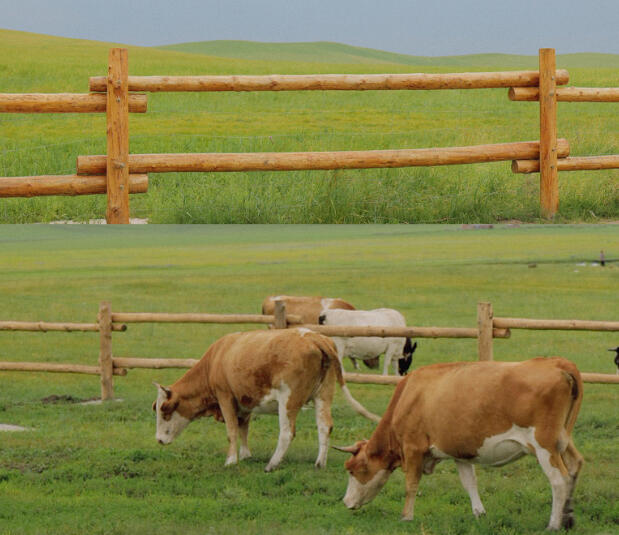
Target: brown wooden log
(64,103)
(567,94)
(602,378)
(36,186)
(130,362)
(161,317)
(549,177)
(52,367)
(44,326)
(573,163)
(410,332)
(320,82)
(295,161)
(368,378)
(484,331)
(558,325)
(117,168)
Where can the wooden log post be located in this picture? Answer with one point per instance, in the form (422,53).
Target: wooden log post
(577,163)
(484,327)
(549,177)
(106,363)
(118,137)
(280,315)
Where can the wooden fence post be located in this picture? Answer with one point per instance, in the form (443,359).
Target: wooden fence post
(106,364)
(549,180)
(118,137)
(484,326)
(280,315)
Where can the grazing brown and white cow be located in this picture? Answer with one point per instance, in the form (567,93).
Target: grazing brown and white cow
(489,413)
(274,371)
(308,307)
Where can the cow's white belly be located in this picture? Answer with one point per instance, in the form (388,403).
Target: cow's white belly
(499,449)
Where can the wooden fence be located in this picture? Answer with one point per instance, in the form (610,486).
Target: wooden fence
(125,173)
(488,328)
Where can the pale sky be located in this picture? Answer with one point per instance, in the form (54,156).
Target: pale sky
(417,27)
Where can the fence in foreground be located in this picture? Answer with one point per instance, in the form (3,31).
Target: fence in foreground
(488,328)
(119,173)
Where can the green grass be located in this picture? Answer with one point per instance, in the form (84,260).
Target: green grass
(98,469)
(304,121)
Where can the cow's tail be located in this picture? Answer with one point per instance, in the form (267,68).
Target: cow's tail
(328,348)
(574,379)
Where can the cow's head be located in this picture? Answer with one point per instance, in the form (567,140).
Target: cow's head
(170,422)
(367,475)
(405,361)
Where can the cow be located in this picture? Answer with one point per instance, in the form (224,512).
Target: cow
(396,350)
(274,371)
(309,309)
(489,413)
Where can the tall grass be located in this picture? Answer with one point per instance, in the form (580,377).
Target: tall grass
(304,121)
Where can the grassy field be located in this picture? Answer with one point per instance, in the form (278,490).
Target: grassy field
(98,469)
(304,121)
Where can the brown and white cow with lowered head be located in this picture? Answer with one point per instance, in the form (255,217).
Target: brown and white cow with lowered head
(274,371)
(489,413)
(308,307)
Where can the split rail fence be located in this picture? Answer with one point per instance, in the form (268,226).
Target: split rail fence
(488,328)
(119,173)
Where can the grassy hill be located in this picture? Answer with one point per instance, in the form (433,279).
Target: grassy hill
(302,121)
(327,52)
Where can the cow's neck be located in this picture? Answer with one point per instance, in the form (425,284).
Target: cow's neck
(195,390)
(384,445)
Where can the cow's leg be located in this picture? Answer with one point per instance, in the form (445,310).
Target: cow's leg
(244,452)
(324,422)
(287,420)
(412,466)
(355,363)
(228,411)
(466,471)
(573,461)
(552,464)
(388,359)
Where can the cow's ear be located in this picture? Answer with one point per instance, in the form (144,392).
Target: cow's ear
(167,391)
(154,405)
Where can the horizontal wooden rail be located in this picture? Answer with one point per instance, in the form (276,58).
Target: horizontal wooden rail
(320,82)
(44,326)
(160,317)
(559,325)
(411,332)
(64,103)
(35,186)
(59,368)
(366,378)
(130,362)
(296,161)
(573,163)
(567,94)
(602,378)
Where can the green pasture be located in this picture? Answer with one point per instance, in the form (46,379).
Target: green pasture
(97,469)
(304,121)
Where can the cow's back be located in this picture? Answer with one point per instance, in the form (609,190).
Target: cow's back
(251,364)
(457,405)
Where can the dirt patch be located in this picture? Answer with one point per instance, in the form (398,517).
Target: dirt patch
(10,427)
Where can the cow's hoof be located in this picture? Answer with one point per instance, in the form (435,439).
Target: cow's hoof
(230,461)
(479,512)
(270,467)
(244,454)
(406,518)
(568,521)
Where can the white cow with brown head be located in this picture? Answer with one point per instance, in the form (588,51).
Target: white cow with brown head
(275,371)
(489,413)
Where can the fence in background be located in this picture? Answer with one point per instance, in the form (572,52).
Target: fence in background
(125,173)
(488,328)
